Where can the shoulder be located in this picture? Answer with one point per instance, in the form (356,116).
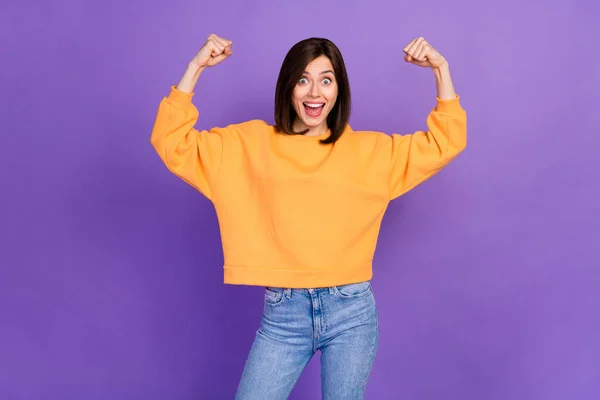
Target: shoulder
(250,127)
(245,129)
(366,137)
(371,144)
(247,134)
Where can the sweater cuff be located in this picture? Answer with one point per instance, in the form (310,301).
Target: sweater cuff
(179,97)
(449,106)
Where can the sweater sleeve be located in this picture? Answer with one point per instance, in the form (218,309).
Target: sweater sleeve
(192,155)
(415,157)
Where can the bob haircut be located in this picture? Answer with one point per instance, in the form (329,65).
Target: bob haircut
(294,64)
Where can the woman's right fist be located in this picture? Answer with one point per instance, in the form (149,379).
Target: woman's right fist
(214,51)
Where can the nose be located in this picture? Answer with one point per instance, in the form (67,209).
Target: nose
(314,90)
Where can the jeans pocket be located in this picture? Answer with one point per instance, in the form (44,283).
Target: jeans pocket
(274,296)
(353,290)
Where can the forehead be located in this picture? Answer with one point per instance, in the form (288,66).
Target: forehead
(318,65)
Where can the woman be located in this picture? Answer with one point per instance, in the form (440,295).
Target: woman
(300,205)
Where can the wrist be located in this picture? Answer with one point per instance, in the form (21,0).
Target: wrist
(442,71)
(193,72)
(190,78)
(194,68)
(443,82)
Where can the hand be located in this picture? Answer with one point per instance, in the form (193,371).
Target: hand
(421,53)
(214,51)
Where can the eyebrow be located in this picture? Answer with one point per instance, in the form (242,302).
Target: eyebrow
(322,73)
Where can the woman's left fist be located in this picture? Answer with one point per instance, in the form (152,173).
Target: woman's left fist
(421,53)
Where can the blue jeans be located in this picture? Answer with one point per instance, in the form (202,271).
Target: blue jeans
(340,321)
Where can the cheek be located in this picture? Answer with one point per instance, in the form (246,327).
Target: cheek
(296,99)
(331,94)
(298,94)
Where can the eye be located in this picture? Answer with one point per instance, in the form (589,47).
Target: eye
(327,81)
(302,81)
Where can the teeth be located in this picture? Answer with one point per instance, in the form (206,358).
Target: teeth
(314,105)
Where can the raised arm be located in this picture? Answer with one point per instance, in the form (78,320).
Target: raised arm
(418,156)
(421,53)
(214,51)
(192,155)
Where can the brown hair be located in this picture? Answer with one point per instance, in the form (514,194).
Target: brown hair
(294,64)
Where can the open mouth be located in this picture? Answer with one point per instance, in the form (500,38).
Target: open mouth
(313,109)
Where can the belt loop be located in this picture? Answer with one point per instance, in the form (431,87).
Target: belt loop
(331,290)
(288,293)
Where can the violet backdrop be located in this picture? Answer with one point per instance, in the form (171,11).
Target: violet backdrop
(486,276)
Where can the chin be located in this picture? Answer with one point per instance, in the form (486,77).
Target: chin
(314,122)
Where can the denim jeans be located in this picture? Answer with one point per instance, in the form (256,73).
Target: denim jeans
(340,321)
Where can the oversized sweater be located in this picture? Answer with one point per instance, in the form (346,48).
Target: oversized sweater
(294,212)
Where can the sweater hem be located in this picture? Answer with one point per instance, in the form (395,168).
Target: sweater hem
(297,278)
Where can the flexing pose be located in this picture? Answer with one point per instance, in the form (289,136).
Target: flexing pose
(300,204)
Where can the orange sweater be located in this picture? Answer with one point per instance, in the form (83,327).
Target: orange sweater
(293,212)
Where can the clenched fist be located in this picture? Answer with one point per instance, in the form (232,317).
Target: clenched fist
(421,53)
(214,50)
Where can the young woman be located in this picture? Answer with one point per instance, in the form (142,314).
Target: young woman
(300,205)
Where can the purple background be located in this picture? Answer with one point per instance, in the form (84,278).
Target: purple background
(486,276)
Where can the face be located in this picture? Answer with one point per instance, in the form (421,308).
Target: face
(314,96)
